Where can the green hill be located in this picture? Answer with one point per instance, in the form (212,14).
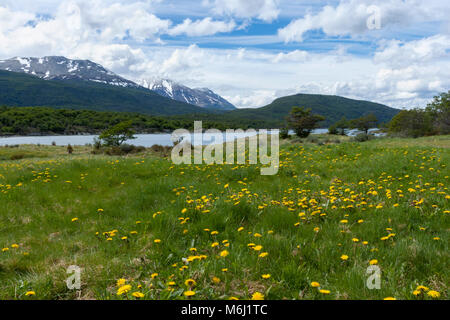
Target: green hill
(333,108)
(18,90)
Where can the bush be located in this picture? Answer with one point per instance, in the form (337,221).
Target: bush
(362,137)
(312,139)
(17,156)
(284,133)
(333,130)
(127,148)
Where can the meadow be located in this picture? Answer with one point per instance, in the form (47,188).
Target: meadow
(140,227)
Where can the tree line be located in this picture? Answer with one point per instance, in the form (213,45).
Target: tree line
(433,120)
(48,121)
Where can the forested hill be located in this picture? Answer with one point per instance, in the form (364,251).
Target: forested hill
(333,108)
(18,89)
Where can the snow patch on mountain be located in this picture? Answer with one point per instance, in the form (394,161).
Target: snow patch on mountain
(61,68)
(202,97)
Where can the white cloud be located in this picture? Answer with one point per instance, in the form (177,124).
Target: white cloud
(400,73)
(401,53)
(266,10)
(296,56)
(11,20)
(204,27)
(77,23)
(255,99)
(350,17)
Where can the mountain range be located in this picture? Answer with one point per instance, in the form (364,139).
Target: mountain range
(24,90)
(202,97)
(63,83)
(62,68)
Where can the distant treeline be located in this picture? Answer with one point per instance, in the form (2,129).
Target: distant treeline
(433,120)
(47,121)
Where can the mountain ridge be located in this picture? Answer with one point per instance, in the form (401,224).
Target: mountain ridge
(202,97)
(65,69)
(62,68)
(24,90)
(330,106)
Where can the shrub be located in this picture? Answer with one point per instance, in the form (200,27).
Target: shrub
(284,133)
(333,130)
(362,137)
(17,156)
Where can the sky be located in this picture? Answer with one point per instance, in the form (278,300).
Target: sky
(395,52)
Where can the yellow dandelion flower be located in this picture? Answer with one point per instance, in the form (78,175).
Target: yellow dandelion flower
(224,253)
(433,294)
(121,282)
(189,293)
(190,283)
(138,294)
(123,289)
(257,296)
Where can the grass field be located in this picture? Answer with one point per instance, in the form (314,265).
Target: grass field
(142,228)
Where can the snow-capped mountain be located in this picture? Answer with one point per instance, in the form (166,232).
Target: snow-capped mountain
(61,68)
(201,97)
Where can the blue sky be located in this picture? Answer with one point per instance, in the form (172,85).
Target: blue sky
(250,51)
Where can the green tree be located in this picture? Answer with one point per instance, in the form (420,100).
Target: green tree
(333,129)
(303,121)
(342,125)
(439,110)
(115,136)
(412,123)
(365,123)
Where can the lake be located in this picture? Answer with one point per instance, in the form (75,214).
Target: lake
(145,140)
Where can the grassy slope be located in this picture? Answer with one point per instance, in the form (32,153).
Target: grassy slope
(18,89)
(40,197)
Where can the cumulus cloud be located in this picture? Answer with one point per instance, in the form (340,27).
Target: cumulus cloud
(76,23)
(401,53)
(125,37)
(255,99)
(11,20)
(351,17)
(296,55)
(266,10)
(204,27)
